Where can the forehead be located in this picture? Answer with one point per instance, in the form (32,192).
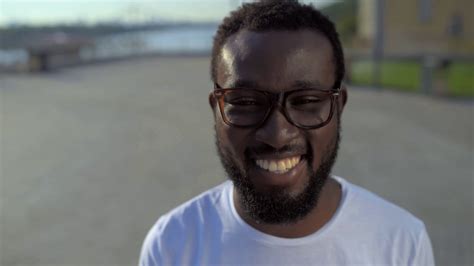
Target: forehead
(275,60)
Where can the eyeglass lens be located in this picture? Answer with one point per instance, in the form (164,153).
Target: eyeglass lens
(249,107)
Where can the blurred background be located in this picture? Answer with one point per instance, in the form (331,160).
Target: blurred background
(105,124)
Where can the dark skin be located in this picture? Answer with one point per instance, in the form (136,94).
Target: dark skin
(277,61)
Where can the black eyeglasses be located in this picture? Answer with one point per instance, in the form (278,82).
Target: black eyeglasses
(304,108)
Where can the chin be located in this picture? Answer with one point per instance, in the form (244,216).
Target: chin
(271,201)
(279,197)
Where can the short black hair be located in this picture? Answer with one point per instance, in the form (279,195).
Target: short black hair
(268,15)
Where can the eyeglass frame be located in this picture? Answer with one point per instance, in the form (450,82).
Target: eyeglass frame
(277,100)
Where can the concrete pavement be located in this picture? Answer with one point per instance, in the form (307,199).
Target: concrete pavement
(93,155)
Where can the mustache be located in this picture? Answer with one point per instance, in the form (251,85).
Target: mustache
(265,149)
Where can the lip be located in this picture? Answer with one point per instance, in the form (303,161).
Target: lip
(262,177)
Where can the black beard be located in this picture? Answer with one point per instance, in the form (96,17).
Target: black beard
(278,206)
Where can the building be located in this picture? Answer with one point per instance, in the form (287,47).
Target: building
(418,27)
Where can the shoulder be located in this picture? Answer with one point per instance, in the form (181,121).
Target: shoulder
(385,226)
(183,225)
(377,211)
(197,209)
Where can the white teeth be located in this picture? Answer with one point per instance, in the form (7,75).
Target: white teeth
(273,166)
(279,166)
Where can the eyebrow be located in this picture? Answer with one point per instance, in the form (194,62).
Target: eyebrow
(299,84)
(245,84)
(305,84)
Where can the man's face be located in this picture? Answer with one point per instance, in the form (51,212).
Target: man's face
(277,61)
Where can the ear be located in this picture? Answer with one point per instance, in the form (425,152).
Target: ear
(212,101)
(342,99)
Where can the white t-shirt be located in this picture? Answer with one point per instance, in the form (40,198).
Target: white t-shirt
(365,230)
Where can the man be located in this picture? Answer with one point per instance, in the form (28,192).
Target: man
(277,68)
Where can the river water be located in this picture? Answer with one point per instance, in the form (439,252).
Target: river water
(175,40)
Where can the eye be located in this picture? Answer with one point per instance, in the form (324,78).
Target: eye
(305,100)
(244,101)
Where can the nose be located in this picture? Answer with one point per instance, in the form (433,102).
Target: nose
(276,131)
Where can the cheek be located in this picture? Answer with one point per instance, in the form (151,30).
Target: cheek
(233,140)
(322,141)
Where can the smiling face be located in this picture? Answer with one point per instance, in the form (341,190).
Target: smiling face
(278,169)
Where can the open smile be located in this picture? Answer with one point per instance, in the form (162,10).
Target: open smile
(278,166)
(279,171)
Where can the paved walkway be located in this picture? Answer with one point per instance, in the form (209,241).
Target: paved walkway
(92,155)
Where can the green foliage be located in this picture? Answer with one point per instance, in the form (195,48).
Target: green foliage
(344,15)
(404,76)
(461,79)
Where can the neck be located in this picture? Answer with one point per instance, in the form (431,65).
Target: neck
(328,203)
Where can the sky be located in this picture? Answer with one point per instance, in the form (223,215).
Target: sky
(44,12)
